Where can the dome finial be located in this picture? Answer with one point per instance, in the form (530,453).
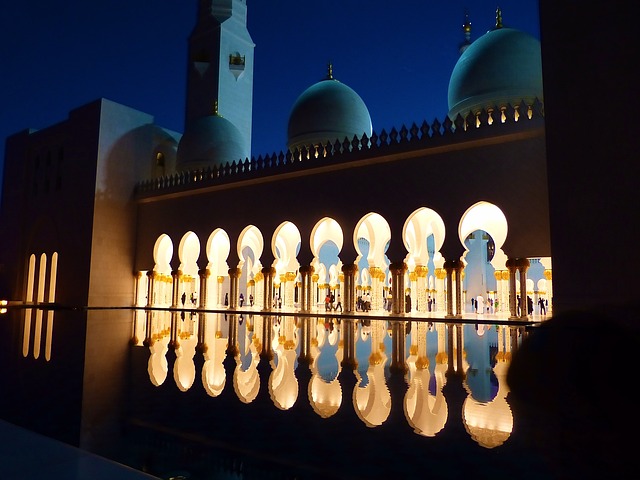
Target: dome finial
(215,109)
(498,18)
(329,71)
(466,28)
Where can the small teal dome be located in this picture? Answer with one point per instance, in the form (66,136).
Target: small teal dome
(325,112)
(210,141)
(504,66)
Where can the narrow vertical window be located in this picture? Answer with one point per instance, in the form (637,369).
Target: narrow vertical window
(28,298)
(52,298)
(37,334)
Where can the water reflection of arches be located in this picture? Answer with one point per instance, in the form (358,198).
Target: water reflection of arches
(486,413)
(372,399)
(214,352)
(426,411)
(184,369)
(246,380)
(325,391)
(433,350)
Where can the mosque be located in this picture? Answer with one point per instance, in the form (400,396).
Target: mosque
(114,210)
(108,209)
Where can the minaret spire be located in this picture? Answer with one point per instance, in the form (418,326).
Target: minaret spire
(498,18)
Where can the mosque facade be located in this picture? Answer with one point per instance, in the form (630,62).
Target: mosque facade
(109,209)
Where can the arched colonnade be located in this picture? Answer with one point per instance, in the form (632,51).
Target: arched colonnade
(429,281)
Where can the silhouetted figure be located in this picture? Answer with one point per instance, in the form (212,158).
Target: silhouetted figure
(543,307)
(574,400)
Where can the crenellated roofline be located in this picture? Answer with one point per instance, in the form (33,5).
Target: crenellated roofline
(483,126)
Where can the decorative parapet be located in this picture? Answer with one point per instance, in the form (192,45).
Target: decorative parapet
(485,123)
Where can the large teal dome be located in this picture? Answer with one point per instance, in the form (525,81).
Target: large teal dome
(325,112)
(502,67)
(210,141)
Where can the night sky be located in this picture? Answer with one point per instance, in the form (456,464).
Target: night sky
(398,56)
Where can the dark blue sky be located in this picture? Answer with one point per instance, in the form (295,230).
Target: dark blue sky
(398,56)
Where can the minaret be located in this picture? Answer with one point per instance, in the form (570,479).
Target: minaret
(220,65)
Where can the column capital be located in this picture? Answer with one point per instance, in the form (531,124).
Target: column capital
(350,269)
(421,270)
(205,273)
(376,272)
(523,262)
(453,264)
(306,269)
(268,271)
(235,272)
(290,276)
(398,267)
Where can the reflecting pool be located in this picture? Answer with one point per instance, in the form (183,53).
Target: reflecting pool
(200,395)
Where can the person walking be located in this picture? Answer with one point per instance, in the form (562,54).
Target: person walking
(338,304)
